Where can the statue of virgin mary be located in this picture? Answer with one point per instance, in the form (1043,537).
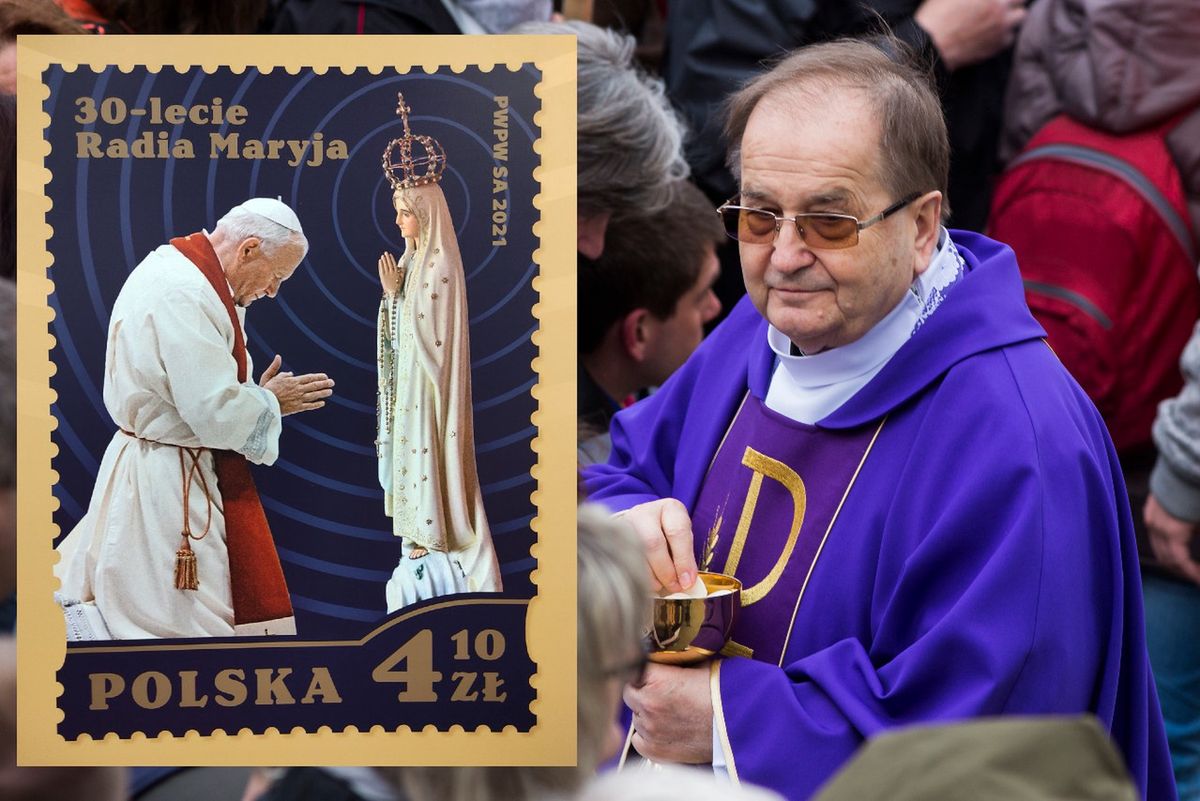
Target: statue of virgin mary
(426,442)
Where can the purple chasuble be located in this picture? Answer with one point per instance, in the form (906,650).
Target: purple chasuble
(770,499)
(982,564)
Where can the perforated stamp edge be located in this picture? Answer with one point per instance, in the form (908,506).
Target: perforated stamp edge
(551,644)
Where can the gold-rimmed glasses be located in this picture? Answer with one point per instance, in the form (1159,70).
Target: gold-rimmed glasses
(818,229)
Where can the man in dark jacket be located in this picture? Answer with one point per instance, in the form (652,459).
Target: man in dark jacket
(717,45)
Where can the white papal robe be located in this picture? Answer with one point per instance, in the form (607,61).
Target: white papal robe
(169,379)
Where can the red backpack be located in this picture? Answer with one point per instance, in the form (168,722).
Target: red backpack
(1099,224)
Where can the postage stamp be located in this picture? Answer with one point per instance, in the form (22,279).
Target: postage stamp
(296,426)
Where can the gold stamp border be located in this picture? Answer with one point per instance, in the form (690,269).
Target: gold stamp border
(551,619)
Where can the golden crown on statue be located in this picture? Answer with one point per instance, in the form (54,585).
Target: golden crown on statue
(412,160)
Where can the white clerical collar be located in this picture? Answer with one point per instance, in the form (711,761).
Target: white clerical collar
(807,388)
(850,361)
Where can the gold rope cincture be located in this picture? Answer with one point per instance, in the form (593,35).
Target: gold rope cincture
(186,577)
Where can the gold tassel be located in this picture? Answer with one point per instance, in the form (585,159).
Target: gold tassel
(186,577)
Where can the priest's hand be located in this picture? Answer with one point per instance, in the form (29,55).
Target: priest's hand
(666,534)
(296,393)
(673,714)
(1170,539)
(391,275)
(271,371)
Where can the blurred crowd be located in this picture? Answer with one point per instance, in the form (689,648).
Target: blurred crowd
(657,271)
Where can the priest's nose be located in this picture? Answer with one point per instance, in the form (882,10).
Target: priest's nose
(790,252)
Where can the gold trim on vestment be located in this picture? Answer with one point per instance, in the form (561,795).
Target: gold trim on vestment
(725,436)
(719,720)
(628,743)
(821,547)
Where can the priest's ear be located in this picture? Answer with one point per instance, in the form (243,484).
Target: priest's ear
(927,228)
(250,248)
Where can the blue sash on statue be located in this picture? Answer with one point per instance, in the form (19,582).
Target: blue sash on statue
(770,498)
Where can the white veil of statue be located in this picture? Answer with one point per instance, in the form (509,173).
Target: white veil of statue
(425,428)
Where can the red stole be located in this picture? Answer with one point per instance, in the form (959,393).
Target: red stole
(260,591)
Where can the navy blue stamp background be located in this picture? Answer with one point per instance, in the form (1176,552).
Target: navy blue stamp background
(322,496)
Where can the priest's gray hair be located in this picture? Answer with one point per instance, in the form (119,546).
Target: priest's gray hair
(630,140)
(614,606)
(239,223)
(913,143)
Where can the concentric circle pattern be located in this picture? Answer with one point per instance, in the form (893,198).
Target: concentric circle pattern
(322,497)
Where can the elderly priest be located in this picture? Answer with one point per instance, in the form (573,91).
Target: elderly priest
(924,509)
(174,487)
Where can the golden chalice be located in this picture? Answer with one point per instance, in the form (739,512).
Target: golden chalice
(684,631)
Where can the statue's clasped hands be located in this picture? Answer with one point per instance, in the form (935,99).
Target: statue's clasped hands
(391,274)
